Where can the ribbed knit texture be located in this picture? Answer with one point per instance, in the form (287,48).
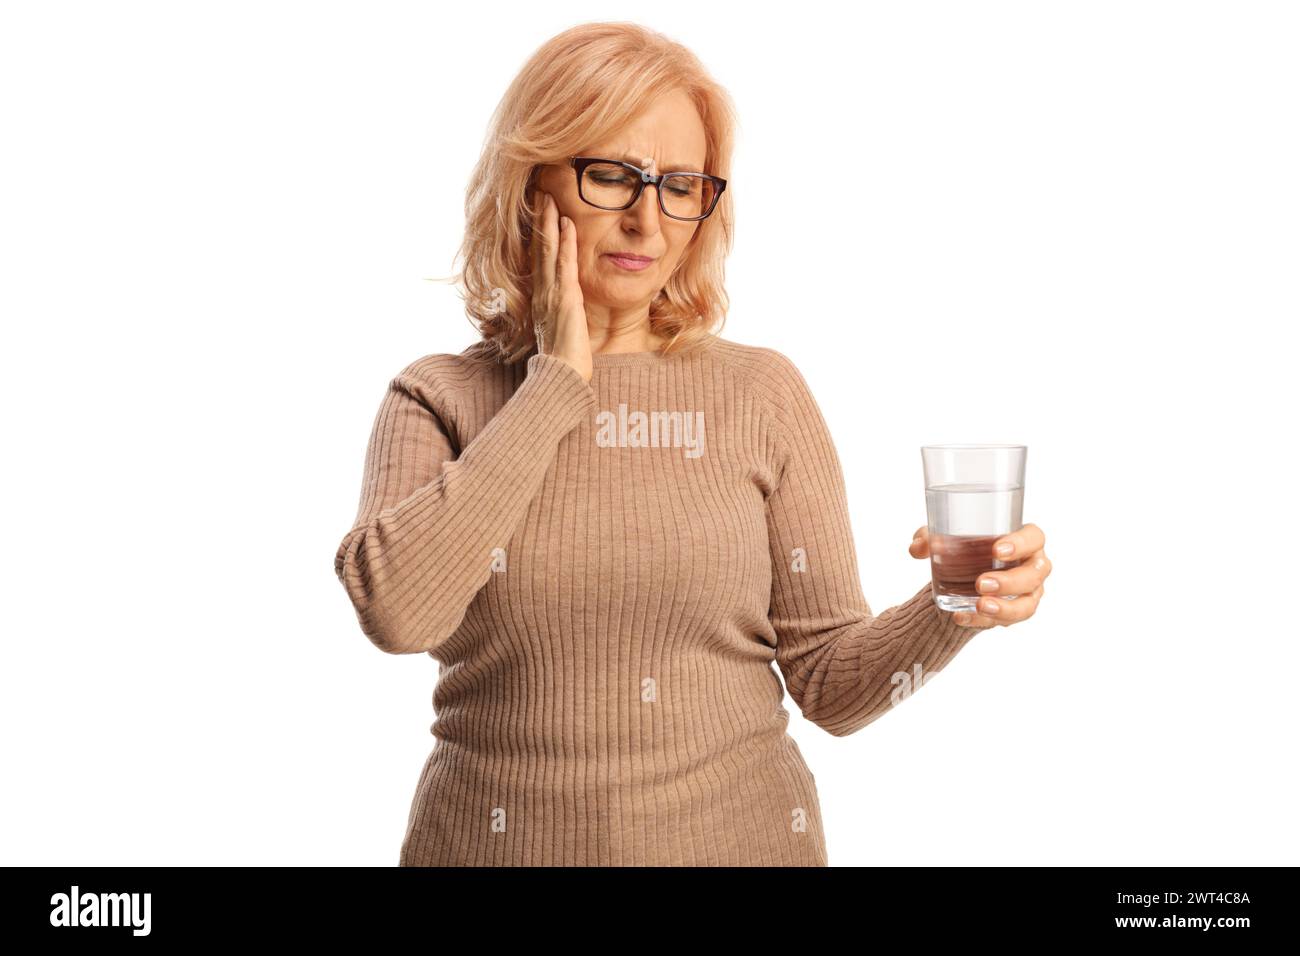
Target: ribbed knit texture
(606,614)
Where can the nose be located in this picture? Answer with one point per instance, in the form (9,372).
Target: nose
(645,212)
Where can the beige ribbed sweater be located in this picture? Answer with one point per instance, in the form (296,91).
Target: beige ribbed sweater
(606,574)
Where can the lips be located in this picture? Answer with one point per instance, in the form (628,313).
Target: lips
(629,261)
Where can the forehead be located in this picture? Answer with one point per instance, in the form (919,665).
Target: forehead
(670,134)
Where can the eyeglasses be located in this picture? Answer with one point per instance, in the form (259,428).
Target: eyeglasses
(614,185)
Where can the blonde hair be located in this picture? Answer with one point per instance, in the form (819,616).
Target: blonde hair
(581,87)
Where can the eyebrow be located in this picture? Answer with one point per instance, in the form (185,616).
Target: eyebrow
(673,168)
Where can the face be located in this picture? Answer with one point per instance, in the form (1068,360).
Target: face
(669,137)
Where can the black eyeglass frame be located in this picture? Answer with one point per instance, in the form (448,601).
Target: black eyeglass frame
(580,164)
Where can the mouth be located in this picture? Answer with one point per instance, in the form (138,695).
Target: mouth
(628,260)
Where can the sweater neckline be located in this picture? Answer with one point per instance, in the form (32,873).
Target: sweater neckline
(614,359)
(599,359)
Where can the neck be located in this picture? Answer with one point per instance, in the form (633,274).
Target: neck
(636,337)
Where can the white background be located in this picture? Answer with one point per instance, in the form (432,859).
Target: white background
(1073,226)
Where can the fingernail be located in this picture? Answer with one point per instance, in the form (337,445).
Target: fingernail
(1005,548)
(989,607)
(988,584)
(962,618)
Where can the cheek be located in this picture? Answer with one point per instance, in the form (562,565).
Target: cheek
(584,244)
(588,262)
(670,262)
(679,247)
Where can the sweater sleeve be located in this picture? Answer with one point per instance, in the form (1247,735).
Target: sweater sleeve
(421,546)
(839,660)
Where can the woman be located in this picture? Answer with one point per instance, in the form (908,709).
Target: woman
(606,522)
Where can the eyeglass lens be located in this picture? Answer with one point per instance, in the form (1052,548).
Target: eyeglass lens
(610,186)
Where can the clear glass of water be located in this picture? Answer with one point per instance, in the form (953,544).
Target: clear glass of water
(974,494)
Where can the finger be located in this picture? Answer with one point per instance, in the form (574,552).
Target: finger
(566,266)
(1024,541)
(543,252)
(1019,580)
(966,619)
(920,547)
(550,234)
(534,236)
(1010,610)
(538,279)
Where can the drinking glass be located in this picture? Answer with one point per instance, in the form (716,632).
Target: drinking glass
(974,495)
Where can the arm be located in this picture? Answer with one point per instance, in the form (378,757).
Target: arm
(838,659)
(421,546)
